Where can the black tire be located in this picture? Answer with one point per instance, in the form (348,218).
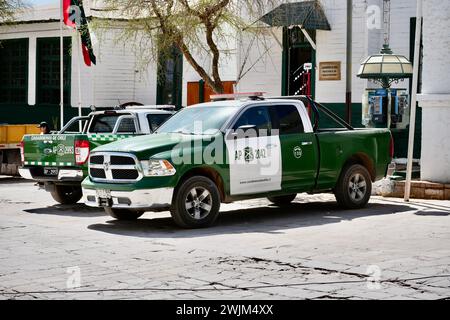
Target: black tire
(282,200)
(196,203)
(67,194)
(124,214)
(354,187)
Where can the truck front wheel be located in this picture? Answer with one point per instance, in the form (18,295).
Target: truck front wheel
(196,203)
(282,200)
(124,214)
(354,187)
(67,194)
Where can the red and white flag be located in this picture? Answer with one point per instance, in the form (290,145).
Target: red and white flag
(68,14)
(74,17)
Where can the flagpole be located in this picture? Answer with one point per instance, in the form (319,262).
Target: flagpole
(61,63)
(415,81)
(80,105)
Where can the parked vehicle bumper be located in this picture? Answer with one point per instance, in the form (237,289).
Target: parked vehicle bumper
(148,199)
(25,173)
(76,175)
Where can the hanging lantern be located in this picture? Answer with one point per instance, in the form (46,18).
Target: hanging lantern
(386,67)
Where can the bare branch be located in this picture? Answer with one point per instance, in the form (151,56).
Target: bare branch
(8,8)
(203,30)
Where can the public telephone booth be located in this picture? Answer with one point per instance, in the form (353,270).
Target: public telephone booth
(376,113)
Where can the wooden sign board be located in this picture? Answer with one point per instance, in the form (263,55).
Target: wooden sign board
(330,71)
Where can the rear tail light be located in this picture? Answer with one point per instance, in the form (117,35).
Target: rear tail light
(392,148)
(22,152)
(82,151)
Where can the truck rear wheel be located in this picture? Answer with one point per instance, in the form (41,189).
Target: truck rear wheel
(282,200)
(196,203)
(354,188)
(124,214)
(67,194)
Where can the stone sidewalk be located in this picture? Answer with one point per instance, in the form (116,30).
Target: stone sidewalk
(311,250)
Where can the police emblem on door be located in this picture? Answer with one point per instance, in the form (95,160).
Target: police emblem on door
(248,155)
(298,152)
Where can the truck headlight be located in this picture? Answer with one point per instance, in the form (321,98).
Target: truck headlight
(158,168)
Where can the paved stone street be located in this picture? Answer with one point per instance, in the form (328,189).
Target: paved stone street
(311,250)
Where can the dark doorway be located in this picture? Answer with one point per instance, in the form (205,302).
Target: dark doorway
(298,53)
(170,79)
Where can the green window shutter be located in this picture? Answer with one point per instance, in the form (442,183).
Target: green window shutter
(48,71)
(14,71)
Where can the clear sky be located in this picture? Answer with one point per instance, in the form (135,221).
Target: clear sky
(37,2)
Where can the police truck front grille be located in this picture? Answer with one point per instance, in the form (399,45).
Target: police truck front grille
(97,160)
(98,173)
(122,161)
(125,174)
(120,168)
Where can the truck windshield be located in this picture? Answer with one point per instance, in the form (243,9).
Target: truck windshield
(198,120)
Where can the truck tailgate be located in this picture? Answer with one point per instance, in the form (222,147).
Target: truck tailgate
(50,150)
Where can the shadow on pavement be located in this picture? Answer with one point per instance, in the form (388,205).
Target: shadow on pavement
(440,206)
(75,210)
(265,219)
(433,213)
(13,180)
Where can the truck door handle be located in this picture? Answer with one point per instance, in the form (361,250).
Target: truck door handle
(307,143)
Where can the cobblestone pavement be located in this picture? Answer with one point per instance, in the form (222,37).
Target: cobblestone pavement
(311,250)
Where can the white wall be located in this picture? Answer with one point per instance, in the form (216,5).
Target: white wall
(266,73)
(117,78)
(435,99)
(259,58)
(331,46)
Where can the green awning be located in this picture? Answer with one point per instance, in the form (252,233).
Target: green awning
(308,14)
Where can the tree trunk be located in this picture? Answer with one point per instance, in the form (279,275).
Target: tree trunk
(218,87)
(215,85)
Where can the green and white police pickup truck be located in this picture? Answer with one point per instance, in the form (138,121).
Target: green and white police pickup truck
(225,151)
(58,162)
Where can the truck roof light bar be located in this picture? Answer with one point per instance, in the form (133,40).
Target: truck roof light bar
(161,107)
(236,96)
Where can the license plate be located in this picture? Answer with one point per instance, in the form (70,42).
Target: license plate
(50,171)
(104,194)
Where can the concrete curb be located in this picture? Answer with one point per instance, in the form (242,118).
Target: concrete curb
(420,190)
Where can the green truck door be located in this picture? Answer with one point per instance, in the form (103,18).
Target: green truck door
(299,149)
